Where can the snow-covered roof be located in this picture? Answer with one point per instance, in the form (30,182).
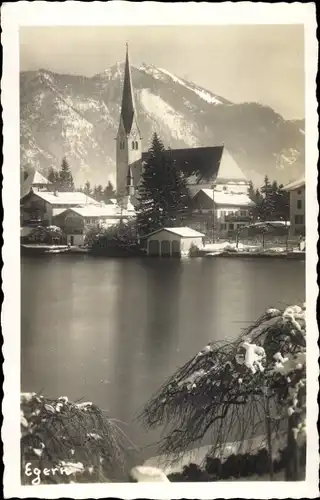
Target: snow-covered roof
(57,211)
(99,211)
(295,184)
(231,199)
(229,169)
(33,179)
(66,198)
(271,223)
(39,179)
(184,232)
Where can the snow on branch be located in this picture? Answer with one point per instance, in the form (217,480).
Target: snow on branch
(227,386)
(75,438)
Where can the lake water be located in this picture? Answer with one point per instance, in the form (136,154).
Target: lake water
(111,331)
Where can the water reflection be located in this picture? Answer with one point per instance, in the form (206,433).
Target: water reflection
(112,331)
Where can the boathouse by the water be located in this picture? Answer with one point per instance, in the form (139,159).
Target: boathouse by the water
(173,241)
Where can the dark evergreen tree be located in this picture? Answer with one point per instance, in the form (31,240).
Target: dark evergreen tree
(109,192)
(257,211)
(53,177)
(282,203)
(162,194)
(98,193)
(251,192)
(65,177)
(87,189)
(268,204)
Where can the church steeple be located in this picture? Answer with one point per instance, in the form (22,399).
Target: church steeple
(129,145)
(128,106)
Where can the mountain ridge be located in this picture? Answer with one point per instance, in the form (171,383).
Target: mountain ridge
(77,117)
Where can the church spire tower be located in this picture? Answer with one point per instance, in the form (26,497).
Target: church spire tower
(128,137)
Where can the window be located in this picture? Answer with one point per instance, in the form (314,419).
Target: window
(222,213)
(122,144)
(223,227)
(243,213)
(137,146)
(231,227)
(299,219)
(299,204)
(133,144)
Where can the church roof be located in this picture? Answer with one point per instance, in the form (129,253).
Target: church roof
(128,106)
(229,169)
(199,165)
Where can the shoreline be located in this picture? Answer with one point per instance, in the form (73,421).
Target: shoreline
(197,456)
(36,250)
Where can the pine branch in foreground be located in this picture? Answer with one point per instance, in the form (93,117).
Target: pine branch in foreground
(233,391)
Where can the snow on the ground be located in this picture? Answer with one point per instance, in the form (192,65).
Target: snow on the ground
(225,245)
(148,474)
(277,249)
(196,456)
(159,110)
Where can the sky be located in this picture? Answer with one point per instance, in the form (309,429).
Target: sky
(261,63)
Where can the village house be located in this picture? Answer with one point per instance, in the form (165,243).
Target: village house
(75,221)
(220,212)
(296,190)
(43,206)
(173,241)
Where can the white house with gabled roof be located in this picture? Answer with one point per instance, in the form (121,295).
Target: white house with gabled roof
(75,220)
(172,241)
(221,211)
(43,206)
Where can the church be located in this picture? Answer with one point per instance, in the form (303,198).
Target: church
(216,184)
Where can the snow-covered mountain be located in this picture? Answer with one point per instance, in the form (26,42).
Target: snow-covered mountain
(77,117)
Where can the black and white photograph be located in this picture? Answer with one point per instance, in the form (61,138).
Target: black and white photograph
(159,253)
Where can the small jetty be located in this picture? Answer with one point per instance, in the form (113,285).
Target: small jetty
(43,249)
